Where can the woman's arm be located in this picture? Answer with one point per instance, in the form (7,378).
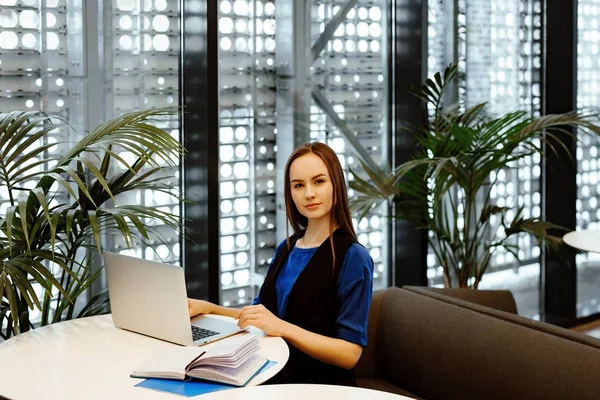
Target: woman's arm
(356,287)
(329,350)
(196,307)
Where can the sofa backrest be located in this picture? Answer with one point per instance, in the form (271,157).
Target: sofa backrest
(502,300)
(439,347)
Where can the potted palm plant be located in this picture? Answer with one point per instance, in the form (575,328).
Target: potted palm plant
(51,230)
(446,187)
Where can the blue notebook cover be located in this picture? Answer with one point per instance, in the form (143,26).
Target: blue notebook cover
(192,387)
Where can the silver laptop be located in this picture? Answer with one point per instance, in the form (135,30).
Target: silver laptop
(150,298)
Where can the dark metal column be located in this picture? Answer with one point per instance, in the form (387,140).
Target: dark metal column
(199,93)
(559,188)
(408,67)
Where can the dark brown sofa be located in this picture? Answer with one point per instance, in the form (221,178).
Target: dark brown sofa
(462,344)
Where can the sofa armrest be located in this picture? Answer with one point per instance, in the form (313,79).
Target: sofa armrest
(502,300)
(427,340)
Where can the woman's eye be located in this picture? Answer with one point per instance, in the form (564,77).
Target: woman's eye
(297,185)
(319,181)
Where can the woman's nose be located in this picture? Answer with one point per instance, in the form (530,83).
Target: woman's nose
(309,193)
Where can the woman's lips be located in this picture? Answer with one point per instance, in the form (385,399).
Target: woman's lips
(313,206)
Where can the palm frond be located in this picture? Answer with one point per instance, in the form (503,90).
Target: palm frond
(457,156)
(489,210)
(433,89)
(43,233)
(539,229)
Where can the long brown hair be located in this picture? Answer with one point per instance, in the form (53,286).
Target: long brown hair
(340,209)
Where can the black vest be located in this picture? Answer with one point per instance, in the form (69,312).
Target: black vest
(313,305)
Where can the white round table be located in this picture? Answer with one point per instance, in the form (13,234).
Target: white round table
(587,240)
(90,358)
(302,392)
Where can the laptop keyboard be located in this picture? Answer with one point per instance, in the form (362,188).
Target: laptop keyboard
(199,333)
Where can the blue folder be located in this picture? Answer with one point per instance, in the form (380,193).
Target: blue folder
(189,388)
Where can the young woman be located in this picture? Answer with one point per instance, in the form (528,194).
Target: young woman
(317,292)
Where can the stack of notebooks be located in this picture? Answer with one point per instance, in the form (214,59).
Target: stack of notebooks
(232,361)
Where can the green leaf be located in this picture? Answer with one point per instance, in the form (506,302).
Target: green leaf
(96,229)
(97,174)
(488,211)
(10,294)
(23,215)
(42,200)
(80,184)
(15,128)
(70,221)
(138,224)
(20,175)
(10,215)
(63,183)
(96,305)
(104,167)
(41,229)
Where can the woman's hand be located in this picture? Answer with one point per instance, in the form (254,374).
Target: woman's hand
(196,307)
(261,318)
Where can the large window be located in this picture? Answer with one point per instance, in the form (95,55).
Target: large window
(140,62)
(40,69)
(246,144)
(588,167)
(338,96)
(349,104)
(497,46)
(129,62)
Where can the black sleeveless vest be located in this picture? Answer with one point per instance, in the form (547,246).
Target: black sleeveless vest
(312,305)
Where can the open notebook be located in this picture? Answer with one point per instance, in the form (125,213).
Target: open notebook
(232,361)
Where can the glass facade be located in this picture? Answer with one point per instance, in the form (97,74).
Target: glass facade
(140,63)
(498,50)
(128,62)
(41,68)
(349,104)
(588,167)
(290,72)
(247,145)
(336,94)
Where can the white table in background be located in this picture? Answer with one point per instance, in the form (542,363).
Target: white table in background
(301,392)
(89,358)
(587,240)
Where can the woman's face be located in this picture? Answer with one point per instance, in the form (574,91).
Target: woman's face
(312,190)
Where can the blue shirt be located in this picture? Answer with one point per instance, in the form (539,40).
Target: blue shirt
(355,286)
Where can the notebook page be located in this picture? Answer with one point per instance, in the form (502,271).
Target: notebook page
(230,361)
(169,362)
(235,376)
(229,350)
